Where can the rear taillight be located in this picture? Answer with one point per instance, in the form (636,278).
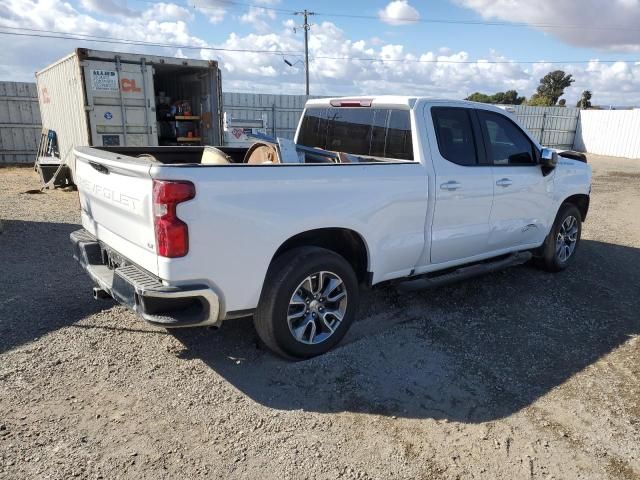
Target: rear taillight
(172,234)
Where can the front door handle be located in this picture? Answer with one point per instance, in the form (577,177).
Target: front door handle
(451,185)
(504,182)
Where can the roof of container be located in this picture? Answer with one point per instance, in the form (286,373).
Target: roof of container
(109,56)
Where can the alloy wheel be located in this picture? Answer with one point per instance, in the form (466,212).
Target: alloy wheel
(317,307)
(567,238)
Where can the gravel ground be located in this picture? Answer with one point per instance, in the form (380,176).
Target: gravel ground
(519,374)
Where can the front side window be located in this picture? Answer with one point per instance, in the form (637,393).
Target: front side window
(455,135)
(374,132)
(506,143)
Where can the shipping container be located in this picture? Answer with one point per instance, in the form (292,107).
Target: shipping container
(101,98)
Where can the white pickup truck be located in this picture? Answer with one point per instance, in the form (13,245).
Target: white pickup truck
(373,190)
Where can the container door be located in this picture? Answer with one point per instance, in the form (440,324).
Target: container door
(212,108)
(121,103)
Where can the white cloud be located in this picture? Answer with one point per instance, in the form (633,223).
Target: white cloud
(214,10)
(167,12)
(394,69)
(399,12)
(106,7)
(260,19)
(27,55)
(607,25)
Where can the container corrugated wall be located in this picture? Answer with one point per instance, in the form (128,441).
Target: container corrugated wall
(19,122)
(62,104)
(609,132)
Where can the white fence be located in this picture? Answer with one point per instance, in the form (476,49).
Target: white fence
(282,111)
(609,132)
(551,126)
(19,122)
(614,133)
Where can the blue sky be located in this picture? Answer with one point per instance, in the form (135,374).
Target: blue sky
(515,42)
(413,54)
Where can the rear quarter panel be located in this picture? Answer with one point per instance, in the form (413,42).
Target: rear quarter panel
(242,214)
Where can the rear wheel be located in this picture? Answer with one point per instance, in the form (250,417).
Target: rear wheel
(560,246)
(308,302)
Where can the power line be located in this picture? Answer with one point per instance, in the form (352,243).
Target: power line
(239,4)
(489,23)
(101,39)
(190,4)
(479,61)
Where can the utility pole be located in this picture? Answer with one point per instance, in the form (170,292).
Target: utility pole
(306,27)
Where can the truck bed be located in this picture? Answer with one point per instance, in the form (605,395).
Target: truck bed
(176,155)
(241,215)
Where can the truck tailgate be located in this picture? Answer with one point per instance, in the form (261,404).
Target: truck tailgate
(117,205)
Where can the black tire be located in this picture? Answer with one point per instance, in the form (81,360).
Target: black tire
(550,260)
(285,275)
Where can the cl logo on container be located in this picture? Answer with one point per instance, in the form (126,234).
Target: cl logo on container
(129,85)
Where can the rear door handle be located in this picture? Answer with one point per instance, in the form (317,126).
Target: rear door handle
(451,185)
(504,182)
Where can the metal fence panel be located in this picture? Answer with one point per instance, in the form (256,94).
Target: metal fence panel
(604,132)
(19,122)
(282,111)
(609,132)
(551,126)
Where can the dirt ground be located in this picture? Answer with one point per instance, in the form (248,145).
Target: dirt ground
(519,374)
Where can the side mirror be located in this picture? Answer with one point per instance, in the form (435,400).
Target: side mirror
(548,158)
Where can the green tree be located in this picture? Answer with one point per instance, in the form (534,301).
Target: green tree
(585,100)
(552,85)
(479,97)
(537,100)
(510,97)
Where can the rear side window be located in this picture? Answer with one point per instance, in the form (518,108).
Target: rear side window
(398,141)
(314,127)
(506,143)
(375,132)
(454,133)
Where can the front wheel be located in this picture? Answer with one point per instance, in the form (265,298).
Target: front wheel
(308,302)
(560,247)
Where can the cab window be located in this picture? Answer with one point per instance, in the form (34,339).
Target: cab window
(454,134)
(374,132)
(506,144)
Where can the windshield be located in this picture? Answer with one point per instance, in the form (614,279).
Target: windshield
(374,132)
